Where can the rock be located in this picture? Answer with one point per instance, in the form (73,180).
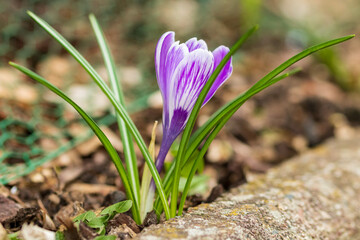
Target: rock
(312,196)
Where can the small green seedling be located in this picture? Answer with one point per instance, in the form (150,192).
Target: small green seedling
(111,237)
(100,221)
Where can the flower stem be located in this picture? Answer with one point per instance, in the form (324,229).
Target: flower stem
(164,149)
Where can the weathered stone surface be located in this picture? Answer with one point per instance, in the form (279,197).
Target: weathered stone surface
(313,196)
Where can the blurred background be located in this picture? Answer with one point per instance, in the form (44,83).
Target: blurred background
(298,113)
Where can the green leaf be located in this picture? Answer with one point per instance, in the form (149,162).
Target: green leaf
(128,146)
(91,123)
(85,217)
(199,157)
(110,237)
(13,236)
(189,163)
(174,148)
(119,207)
(59,235)
(199,184)
(119,107)
(98,222)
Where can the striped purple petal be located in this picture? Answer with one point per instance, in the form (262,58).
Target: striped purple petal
(182,70)
(175,55)
(162,49)
(187,82)
(219,53)
(194,44)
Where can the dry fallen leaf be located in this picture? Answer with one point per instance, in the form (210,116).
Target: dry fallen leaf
(47,222)
(92,188)
(33,232)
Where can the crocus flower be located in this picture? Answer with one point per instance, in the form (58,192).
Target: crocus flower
(182,70)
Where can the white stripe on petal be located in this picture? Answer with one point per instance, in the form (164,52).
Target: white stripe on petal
(194,44)
(162,48)
(176,54)
(188,80)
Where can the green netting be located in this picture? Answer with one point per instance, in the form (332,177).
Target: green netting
(24,131)
(32,137)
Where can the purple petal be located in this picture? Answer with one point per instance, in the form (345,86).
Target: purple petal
(194,44)
(178,121)
(162,48)
(175,55)
(180,118)
(187,81)
(219,53)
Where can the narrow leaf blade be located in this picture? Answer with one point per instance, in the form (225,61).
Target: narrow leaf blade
(128,146)
(119,108)
(91,123)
